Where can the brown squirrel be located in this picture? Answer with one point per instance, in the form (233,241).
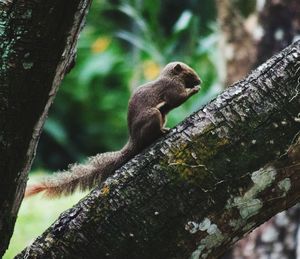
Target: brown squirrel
(147,112)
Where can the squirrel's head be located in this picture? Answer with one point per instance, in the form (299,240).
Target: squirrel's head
(183,72)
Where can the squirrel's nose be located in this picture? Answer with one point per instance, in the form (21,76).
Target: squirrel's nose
(198,81)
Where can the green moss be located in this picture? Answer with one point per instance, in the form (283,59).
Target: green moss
(190,164)
(208,146)
(105,190)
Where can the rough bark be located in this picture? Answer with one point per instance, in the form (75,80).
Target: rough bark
(37,47)
(222,172)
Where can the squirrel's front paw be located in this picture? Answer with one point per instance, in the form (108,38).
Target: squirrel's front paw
(165,130)
(195,89)
(192,91)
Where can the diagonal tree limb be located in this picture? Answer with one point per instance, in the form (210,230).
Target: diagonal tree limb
(37,48)
(222,172)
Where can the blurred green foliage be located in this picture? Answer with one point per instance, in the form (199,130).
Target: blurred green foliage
(125,44)
(35,216)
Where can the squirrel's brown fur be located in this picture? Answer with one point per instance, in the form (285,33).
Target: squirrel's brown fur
(147,112)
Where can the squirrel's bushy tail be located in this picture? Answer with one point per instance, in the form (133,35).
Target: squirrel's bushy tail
(82,176)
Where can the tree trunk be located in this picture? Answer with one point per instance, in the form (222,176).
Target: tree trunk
(237,42)
(252,34)
(280,23)
(222,172)
(37,47)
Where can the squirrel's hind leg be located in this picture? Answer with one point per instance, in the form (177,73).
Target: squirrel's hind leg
(151,126)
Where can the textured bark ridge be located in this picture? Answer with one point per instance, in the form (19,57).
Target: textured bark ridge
(37,47)
(222,172)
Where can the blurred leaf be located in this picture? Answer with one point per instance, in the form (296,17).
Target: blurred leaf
(208,43)
(134,15)
(151,69)
(141,43)
(100,44)
(56,131)
(97,65)
(183,22)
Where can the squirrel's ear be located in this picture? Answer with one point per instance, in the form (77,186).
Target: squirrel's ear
(177,68)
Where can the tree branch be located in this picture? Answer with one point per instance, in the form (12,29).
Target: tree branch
(37,45)
(216,176)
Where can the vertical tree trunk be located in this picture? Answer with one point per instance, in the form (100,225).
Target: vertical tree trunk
(250,33)
(37,46)
(280,23)
(236,39)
